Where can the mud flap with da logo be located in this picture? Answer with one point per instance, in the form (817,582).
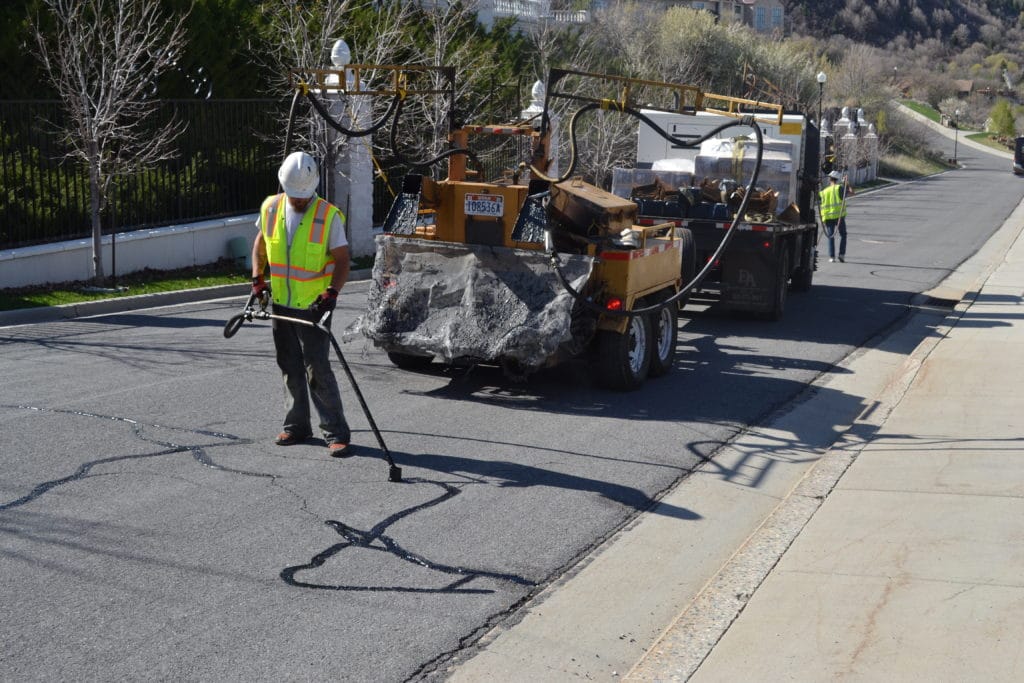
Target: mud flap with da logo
(748,281)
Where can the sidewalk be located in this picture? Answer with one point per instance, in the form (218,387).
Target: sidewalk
(910,566)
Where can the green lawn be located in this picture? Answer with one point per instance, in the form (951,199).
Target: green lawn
(922,109)
(989,140)
(223,272)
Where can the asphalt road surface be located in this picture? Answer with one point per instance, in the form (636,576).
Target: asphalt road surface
(150,528)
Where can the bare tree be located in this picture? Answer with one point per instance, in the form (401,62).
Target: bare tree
(103,58)
(445,24)
(860,79)
(302,36)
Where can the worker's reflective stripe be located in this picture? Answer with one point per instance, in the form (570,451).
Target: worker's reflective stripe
(272,208)
(316,230)
(299,274)
(832,206)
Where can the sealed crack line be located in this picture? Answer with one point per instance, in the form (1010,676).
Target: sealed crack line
(376,539)
(83,471)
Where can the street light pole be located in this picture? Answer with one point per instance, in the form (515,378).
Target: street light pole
(956,133)
(822,77)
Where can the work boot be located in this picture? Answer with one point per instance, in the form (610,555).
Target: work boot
(289,439)
(336,449)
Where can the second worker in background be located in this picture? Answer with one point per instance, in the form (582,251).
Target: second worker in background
(833,213)
(302,238)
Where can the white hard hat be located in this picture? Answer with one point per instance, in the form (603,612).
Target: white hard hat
(835,175)
(299,175)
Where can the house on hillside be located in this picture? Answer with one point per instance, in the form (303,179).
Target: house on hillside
(964,88)
(761,15)
(528,12)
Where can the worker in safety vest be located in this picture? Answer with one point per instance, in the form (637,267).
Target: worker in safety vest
(833,213)
(302,238)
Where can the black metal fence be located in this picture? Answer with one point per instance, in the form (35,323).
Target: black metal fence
(224,165)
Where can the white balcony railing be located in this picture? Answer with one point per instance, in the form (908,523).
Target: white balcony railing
(536,10)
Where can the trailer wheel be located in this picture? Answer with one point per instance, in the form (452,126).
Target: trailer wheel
(688,268)
(781,286)
(664,334)
(624,359)
(409,361)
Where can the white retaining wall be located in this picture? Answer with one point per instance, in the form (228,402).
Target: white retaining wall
(177,246)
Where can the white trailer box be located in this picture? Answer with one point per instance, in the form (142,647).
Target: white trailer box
(651,147)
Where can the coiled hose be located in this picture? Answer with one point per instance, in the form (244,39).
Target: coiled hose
(392,114)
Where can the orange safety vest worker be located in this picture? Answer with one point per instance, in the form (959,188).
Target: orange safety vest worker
(300,272)
(832,205)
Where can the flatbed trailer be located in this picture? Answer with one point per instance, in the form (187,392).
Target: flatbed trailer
(769,253)
(764,260)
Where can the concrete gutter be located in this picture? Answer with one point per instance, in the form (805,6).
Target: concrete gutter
(26,316)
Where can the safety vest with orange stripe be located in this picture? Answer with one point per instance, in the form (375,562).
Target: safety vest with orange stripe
(302,271)
(832,205)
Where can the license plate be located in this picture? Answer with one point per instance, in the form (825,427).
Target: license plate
(485,205)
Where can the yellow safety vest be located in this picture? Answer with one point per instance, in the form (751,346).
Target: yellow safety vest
(302,272)
(832,205)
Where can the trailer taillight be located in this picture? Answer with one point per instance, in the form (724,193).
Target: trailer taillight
(613,304)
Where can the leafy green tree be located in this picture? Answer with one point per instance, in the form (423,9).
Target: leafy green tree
(1002,118)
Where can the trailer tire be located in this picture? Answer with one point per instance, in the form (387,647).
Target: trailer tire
(664,335)
(781,286)
(688,267)
(409,361)
(625,359)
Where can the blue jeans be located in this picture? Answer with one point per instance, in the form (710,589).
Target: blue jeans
(303,354)
(831,228)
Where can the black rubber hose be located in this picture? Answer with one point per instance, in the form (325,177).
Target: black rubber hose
(291,121)
(428,162)
(234,323)
(232,326)
(589,303)
(573,157)
(323,111)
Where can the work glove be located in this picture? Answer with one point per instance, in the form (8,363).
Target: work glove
(325,302)
(259,286)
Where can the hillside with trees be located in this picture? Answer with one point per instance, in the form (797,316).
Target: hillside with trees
(961,56)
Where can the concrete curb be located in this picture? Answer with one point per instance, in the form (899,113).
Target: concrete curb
(28,316)
(685,644)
